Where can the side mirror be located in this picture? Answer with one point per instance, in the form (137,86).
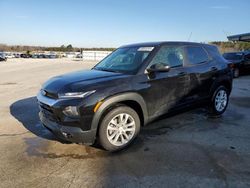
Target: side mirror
(158,67)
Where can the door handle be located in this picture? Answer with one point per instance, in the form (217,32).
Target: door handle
(182,73)
(214,69)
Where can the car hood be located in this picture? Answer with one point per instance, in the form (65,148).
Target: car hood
(76,81)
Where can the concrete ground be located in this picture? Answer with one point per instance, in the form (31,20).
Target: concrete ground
(186,150)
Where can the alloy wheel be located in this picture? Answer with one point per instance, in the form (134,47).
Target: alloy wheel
(221,100)
(121,129)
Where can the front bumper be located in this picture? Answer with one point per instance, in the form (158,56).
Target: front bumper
(67,133)
(73,130)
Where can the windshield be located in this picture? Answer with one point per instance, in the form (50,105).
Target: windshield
(233,56)
(125,60)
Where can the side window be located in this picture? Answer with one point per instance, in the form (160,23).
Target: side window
(196,55)
(169,55)
(247,57)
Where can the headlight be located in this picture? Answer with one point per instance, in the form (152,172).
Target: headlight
(75,94)
(71,111)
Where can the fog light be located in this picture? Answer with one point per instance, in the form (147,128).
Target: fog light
(71,111)
(67,135)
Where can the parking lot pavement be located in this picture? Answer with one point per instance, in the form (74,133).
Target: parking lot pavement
(185,150)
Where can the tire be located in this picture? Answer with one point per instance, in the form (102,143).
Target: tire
(219,101)
(111,126)
(236,73)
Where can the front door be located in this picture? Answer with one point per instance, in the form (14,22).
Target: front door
(166,89)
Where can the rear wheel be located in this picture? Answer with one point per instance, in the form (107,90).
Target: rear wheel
(219,101)
(118,128)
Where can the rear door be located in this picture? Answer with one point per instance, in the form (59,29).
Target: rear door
(201,69)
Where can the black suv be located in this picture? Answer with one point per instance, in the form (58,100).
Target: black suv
(131,87)
(239,61)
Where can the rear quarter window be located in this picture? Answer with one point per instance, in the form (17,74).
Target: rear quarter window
(196,55)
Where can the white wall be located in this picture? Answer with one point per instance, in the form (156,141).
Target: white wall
(95,55)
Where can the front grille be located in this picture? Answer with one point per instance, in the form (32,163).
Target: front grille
(48,112)
(46,107)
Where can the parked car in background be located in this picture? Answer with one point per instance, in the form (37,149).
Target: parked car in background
(131,87)
(79,56)
(52,56)
(2,57)
(9,55)
(17,55)
(25,55)
(41,56)
(35,55)
(238,61)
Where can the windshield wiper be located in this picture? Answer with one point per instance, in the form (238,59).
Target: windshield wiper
(107,70)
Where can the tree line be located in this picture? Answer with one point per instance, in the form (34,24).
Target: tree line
(62,48)
(223,46)
(232,46)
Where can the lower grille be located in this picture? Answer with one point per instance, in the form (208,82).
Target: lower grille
(47,111)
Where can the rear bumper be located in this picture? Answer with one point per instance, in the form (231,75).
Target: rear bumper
(67,133)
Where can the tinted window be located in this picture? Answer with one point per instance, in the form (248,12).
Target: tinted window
(169,55)
(196,55)
(233,56)
(124,59)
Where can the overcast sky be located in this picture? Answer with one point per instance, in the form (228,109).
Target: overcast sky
(111,23)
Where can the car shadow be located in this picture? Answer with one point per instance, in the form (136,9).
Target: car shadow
(26,111)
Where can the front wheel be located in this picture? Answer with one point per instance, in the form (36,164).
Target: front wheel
(118,128)
(219,101)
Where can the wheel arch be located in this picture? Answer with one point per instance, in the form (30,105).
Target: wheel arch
(223,82)
(131,99)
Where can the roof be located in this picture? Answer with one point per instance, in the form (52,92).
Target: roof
(241,37)
(153,44)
